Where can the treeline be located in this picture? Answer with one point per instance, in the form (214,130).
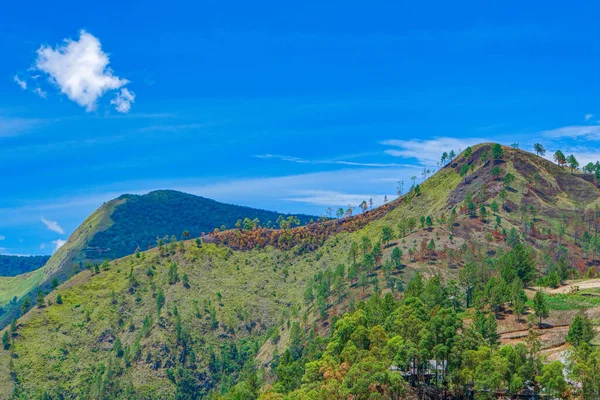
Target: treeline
(16,265)
(249,235)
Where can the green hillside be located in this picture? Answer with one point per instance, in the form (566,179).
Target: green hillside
(61,264)
(191,319)
(123,225)
(140,220)
(16,265)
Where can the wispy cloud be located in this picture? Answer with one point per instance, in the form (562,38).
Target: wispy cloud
(53,226)
(333,198)
(58,243)
(427,152)
(2,237)
(20,82)
(40,93)
(587,117)
(79,68)
(123,100)
(334,162)
(13,126)
(173,127)
(589,132)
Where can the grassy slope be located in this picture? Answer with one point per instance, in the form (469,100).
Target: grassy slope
(57,348)
(56,344)
(150,213)
(60,262)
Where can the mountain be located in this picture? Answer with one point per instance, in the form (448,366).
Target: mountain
(249,311)
(16,265)
(125,224)
(140,220)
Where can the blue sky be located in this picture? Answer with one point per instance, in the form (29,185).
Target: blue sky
(287,107)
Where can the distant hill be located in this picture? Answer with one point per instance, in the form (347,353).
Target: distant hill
(140,220)
(15,265)
(125,224)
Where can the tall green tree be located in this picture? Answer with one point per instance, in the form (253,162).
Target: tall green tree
(497,151)
(560,158)
(573,163)
(396,257)
(387,234)
(581,330)
(540,306)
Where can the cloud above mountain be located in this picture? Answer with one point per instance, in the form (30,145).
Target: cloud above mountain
(80,70)
(53,226)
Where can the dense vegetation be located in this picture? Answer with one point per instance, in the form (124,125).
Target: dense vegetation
(415,298)
(15,265)
(389,349)
(140,221)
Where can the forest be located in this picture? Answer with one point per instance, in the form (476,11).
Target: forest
(15,265)
(141,221)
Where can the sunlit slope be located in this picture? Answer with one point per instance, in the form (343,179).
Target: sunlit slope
(60,265)
(215,296)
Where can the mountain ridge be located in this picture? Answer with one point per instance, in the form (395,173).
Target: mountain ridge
(230,305)
(122,225)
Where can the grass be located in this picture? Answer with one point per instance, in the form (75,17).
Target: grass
(60,263)
(19,286)
(565,302)
(58,348)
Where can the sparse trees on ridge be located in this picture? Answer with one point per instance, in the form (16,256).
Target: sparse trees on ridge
(573,163)
(497,151)
(539,149)
(560,158)
(468,152)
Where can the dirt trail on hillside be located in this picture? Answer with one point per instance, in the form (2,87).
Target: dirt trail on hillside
(550,337)
(573,285)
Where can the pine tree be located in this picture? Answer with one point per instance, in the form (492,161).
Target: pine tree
(497,151)
(581,330)
(540,306)
(160,300)
(40,300)
(173,274)
(6,340)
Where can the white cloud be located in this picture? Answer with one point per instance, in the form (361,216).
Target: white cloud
(428,152)
(123,100)
(42,246)
(333,198)
(588,116)
(80,70)
(575,131)
(40,93)
(58,243)
(337,162)
(2,237)
(20,82)
(53,226)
